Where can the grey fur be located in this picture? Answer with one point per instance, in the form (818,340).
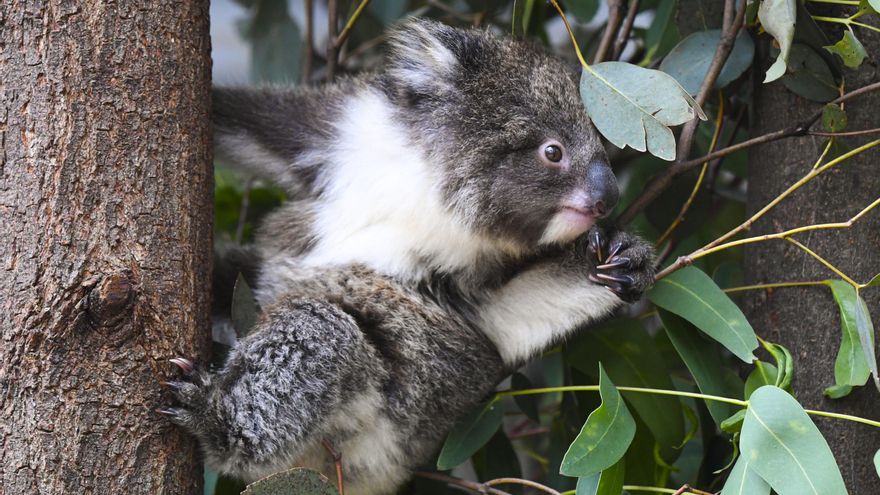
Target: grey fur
(380,365)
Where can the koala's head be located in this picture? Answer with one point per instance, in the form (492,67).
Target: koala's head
(521,159)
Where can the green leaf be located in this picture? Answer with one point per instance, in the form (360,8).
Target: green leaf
(497,459)
(850,50)
(733,424)
(691,294)
(583,10)
(244,307)
(605,436)
(608,482)
(809,75)
(873,5)
(855,359)
(663,32)
(778,18)
(833,118)
(744,481)
(470,433)
(877,462)
(276,44)
(866,335)
(689,61)
(763,374)
(702,358)
(838,391)
(784,363)
(528,404)
(632,106)
(631,358)
(785,448)
(876,280)
(301,481)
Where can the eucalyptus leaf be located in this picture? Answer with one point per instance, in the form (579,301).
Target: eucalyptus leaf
(778,18)
(528,404)
(850,50)
(301,481)
(632,106)
(877,462)
(743,481)
(605,436)
(734,423)
(876,280)
(583,10)
(870,4)
(470,433)
(689,61)
(784,363)
(866,335)
(784,447)
(809,75)
(702,358)
(244,307)
(608,482)
(763,374)
(851,367)
(833,118)
(276,44)
(691,294)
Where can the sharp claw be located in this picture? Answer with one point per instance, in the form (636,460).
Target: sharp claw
(185,365)
(623,279)
(169,411)
(172,385)
(594,279)
(615,248)
(596,243)
(614,264)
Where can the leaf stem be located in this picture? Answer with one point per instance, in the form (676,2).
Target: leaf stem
(574,43)
(837,2)
(824,261)
(343,35)
(775,285)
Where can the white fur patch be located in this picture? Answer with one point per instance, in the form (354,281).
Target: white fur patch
(381,205)
(539,307)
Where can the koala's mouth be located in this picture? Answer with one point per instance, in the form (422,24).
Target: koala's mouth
(568,224)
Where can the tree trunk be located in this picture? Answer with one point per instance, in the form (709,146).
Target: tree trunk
(105,220)
(806,320)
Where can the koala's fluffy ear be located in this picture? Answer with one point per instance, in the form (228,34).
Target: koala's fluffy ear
(425,56)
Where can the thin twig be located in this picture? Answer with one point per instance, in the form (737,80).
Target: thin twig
(332,27)
(340,40)
(519,481)
(661,182)
(337,461)
(470,485)
(623,35)
(309,55)
(825,262)
(863,132)
(615,16)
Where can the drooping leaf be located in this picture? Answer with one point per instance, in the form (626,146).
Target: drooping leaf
(851,367)
(833,118)
(809,75)
(608,482)
(850,50)
(702,358)
(866,335)
(784,447)
(297,480)
(689,61)
(528,404)
(605,436)
(244,307)
(630,357)
(778,18)
(691,294)
(470,433)
(744,481)
(497,459)
(763,374)
(632,106)
(733,424)
(784,364)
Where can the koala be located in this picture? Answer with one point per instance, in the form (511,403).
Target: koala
(441,230)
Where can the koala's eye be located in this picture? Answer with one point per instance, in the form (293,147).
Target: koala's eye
(553,153)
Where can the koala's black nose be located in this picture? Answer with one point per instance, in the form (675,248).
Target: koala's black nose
(601,188)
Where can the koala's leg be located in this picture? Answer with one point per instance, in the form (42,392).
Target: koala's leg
(293,371)
(548,299)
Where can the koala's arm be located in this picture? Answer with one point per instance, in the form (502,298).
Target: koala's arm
(542,304)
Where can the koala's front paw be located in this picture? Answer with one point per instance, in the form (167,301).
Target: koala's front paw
(192,393)
(624,262)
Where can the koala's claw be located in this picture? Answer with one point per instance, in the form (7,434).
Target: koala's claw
(627,269)
(184,364)
(169,411)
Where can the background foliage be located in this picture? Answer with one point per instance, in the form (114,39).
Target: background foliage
(688,394)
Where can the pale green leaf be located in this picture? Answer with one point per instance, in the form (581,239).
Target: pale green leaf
(784,363)
(605,436)
(297,480)
(866,336)
(876,280)
(778,18)
(743,481)
(763,374)
(691,294)
(784,447)
(470,433)
(850,50)
(608,482)
(851,367)
(702,358)
(689,61)
(877,462)
(733,424)
(632,106)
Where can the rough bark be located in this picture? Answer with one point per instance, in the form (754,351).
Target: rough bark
(806,320)
(105,190)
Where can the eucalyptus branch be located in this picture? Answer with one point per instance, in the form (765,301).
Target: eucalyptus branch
(775,285)
(863,132)
(340,39)
(825,262)
(309,55)
(520,481)
(452,480)
(623,34)
(334,40)
(687,204)
(719,243)
(655,489)
(577,49)
(661,182)
(615,16)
